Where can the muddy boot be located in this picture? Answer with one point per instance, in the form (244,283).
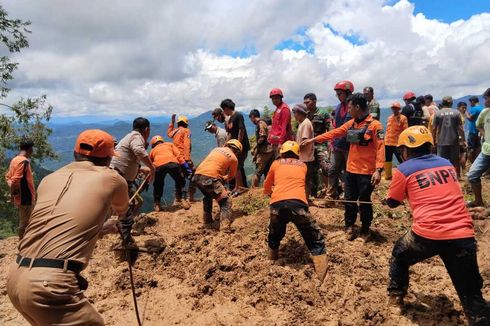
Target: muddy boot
(350,233)
(320,263)
(185,204)
(396,303)
(225,225)
(273,254)
(207,221)
(365,234)
(192,193)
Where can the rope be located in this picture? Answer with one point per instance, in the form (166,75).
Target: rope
(139,188)
(352,202)
(133,290)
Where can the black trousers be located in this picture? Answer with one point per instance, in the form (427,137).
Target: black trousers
(161,172)
(459,257)
(390,151)
(358,187)
(283,212)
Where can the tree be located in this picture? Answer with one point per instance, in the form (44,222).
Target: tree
(266,112)
(26,118)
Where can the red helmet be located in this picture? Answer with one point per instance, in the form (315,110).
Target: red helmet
(276,91)
(409,95)
(344,85)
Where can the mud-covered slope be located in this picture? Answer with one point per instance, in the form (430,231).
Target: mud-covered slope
(204,277)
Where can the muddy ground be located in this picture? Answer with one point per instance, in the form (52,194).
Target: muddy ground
(204,277)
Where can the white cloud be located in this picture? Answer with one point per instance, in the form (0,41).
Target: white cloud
(159,57)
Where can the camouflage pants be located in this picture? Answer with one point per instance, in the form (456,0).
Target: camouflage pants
(213,188)
(283,212)
(321,166)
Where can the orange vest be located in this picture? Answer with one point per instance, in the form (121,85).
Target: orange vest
(394,127)
(19,175)
(182,139)
(221,163)
(286,180)
(165,153)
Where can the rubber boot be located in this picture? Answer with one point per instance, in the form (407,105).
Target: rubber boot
(273,254)
(192,193)
(320,263)
(388,170)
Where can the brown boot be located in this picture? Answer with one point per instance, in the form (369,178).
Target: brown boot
(350,233)
(396,303)
(273,254)
(320,263)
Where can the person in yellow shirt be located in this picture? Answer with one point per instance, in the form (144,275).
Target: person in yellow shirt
(285,183)
(167,159)
(218,167)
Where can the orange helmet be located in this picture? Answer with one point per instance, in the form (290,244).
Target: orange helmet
(409,95)
(344,85)
(155,140)
(276,91)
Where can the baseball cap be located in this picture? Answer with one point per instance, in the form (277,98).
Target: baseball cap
(208,125)
(300,108)
(95,143)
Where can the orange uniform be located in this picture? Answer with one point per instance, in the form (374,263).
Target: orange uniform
(364,157)
(182,139)
(286,180)
(394,127)
(19,176)
(165,153)
(221,163)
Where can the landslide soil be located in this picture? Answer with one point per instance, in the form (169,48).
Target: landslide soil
(204,277)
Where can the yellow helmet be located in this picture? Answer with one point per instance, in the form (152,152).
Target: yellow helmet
(234,143)
(155,140)
(290,146)
(183,118)
(415,136)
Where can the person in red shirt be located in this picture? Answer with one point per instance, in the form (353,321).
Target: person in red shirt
(285,183)
(21,183)
(167,159)
(364,163)
(281,121)
(442,225)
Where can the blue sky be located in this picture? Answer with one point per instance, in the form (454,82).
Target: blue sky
(450,10)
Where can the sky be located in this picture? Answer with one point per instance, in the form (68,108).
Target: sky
(126,58)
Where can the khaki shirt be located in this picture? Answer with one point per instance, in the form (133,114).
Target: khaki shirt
(130,151)
(72,205)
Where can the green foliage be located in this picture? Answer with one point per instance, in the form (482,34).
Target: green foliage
(266,112)
(26,118)
(251,202)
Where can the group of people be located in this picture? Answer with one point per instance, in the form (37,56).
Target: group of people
(347,151)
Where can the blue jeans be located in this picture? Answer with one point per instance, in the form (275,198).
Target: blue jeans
(479,166)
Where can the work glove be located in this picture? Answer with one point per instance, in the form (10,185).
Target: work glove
(187,169)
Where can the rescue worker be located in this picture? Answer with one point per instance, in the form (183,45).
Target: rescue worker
(373,105)
(343,90)
(285,183)
(263,154)
(474,143)
(442,226)
(482,162)
(217,168)
(396,123)
(447,127)
(281,121)
(167,159)
(322,122)
(364,164)
(21,184)
(306,153)
(463,146)
(131,152)
(181,137)
(412,110)
(219,133)
(44,284)
(237,130)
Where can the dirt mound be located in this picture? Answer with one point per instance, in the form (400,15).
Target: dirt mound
(191,276)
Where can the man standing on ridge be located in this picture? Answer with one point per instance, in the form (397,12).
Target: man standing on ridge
(44,284)
(263,154)
(285,183)
(306,153)
(373,105)
(166,158)
(322,122)
(218,167)
(343,90)
(412,110)
(237,130)
(218,132)
(130,152)
(21,184)
(447,127)
(364,164)
(442,226)
(281,121)
(474,143)
(181,137)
